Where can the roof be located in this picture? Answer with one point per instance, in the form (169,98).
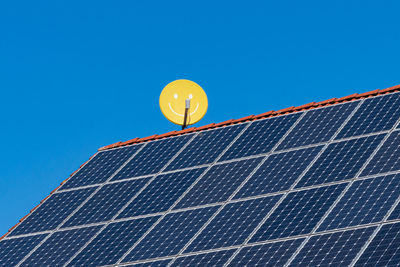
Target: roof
(268,114)
(367,160)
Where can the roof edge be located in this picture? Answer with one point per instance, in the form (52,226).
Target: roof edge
(268,114)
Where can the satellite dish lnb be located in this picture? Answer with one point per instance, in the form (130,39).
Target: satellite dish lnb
(183,102)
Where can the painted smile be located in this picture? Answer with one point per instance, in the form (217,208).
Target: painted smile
(181,115)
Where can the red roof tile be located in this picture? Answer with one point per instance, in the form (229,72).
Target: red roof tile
(268,114)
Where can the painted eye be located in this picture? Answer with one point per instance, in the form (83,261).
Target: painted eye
(176,96)
(190,96)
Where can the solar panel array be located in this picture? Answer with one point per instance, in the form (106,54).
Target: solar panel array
(318,187)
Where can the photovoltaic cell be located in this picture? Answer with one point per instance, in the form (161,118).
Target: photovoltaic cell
(101,167)
(113,242)
(395,214)
(375,114)
(261,136)
(298,213)
(153,157)
(278,172)
(384,250)
(171,234)
(219,183)
(161,263)
(387,158)
(366,201)
(60,247)
(318,125)
(161,193)
(53,211)
(206,147)
(271,254)
(14,250)
(207,259)
(334,249)
(233,224)
(106,202)
(341,161)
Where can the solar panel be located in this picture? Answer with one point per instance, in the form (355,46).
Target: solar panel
(152,158)
(384,249)
(170,235)
(318,125)
(113,242)
(341,161)
(387,158)
(60,247)
(375,114)
(278,172)
(206,147)
(14,250)
(219,183)
(261,136)
(162,263)
(316,187)
(298,213)
(53,211)
(270,254)
(101,167)
(217,258)
(333,249)
(105,204)
(366,201)
(161,193)
(233,224)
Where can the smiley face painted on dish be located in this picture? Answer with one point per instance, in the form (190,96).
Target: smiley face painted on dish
(173,97)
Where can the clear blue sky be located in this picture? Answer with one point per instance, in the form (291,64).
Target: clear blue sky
(78,75)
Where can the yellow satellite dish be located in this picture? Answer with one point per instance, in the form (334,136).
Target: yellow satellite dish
(183,102)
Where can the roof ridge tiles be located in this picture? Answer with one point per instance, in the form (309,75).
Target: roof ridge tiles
(268,114)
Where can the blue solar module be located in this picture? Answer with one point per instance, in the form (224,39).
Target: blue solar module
(261,136)
(101,167)
(233,224)
(153,157)
(219,183)
(216,259)
(60,247)
(206,147)
(341,161)
(161,193)
(318,125)
(278,172)
(375,114)
(113,242)
(53,211)
(106,202)
(171,234)
(366,201)
(384,249)
(387,158)
(161,263)
(14,250)
(333,249)
(271,254)
(298,213)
